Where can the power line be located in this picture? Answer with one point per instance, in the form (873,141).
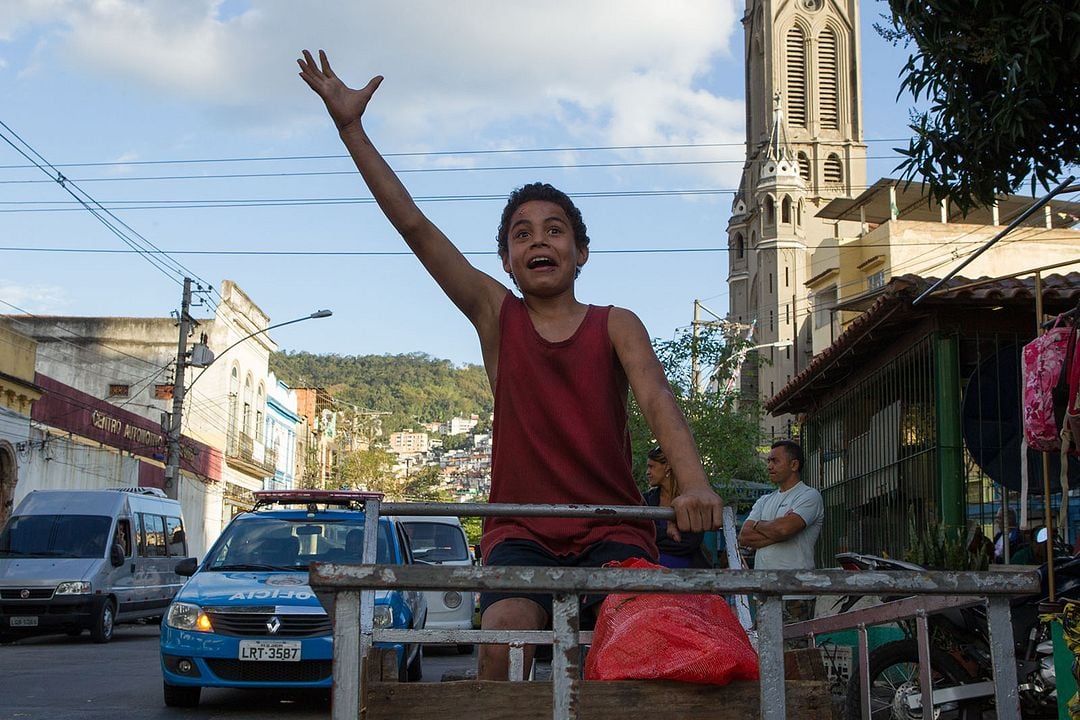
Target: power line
(405,171)
(403,253)
(292,202)
(335,253)
(92,206)
(430,153)
(52,206)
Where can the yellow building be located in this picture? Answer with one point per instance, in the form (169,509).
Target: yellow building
(901,233)
(18,392)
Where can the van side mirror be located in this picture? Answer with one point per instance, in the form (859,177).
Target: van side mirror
(186,567)
(116,555)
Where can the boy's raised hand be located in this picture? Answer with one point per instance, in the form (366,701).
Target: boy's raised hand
(344,104)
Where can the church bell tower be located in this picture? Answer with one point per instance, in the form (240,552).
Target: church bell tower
(803,148)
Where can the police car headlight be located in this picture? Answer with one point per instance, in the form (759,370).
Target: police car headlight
(452,599)
(186,616)
(75,587)
(384,616)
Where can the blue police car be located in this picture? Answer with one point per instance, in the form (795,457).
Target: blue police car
(247,617)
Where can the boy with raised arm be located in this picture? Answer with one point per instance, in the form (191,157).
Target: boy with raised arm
(559,371)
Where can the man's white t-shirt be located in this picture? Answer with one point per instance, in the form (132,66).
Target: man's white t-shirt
(797,552)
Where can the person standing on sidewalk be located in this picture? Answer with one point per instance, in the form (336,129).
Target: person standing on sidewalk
(783,526)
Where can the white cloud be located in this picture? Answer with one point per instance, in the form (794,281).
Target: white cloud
(37,299)
(21,14)
(631,68)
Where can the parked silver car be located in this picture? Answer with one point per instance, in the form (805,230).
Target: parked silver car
(440,540)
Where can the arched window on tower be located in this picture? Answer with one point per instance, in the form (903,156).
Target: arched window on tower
(770,211)
(785,210)
(828,80)
(796,76)
(740,246)
(798,213)
(804,167)
(834,170)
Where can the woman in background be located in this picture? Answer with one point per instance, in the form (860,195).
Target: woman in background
(677,549)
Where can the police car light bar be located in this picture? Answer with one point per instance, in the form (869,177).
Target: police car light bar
(326,497)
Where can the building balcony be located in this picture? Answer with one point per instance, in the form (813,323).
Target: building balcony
(245,455)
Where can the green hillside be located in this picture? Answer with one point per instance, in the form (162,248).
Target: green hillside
(414,388)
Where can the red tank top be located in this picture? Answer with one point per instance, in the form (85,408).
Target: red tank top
(560,434)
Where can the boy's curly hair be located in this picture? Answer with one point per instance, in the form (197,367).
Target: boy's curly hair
(541,191)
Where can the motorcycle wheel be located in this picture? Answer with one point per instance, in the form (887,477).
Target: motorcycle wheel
(894,674)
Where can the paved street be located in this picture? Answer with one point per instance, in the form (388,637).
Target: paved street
(61,677)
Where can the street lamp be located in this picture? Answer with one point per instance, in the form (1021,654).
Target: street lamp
(777,344)
(213,358)
(732,380)
(172,464)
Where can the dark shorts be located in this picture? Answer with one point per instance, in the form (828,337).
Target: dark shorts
(529,554)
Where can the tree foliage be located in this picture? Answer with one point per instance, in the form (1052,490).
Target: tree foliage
(413,387)
(725,427)
(474,528)
(370,470)
(1003,81)
(425,485)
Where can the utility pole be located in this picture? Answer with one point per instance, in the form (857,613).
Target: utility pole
(695,373)
(172,461)
(694,378)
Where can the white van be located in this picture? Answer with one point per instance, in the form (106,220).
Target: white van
(74,560)
(440,540)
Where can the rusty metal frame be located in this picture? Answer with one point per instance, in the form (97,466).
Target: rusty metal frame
(919,607)
(352,588)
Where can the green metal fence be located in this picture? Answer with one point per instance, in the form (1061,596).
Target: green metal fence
(888,453)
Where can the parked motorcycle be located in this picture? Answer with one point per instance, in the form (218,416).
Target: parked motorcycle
(960,653)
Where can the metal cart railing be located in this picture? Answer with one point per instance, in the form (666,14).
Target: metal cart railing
(352,588)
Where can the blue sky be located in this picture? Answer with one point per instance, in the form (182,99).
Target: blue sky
(187,121)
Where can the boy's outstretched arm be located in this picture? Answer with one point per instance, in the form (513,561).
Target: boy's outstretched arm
(697,508)
(476,294)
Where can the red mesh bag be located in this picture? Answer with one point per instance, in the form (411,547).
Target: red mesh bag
(689,638)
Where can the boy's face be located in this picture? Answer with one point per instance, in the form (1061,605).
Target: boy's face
(542,253)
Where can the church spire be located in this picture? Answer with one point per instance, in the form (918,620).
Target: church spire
(778,162)
(778,148)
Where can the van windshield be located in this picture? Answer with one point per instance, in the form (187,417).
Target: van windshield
(436,542)
(55,536)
